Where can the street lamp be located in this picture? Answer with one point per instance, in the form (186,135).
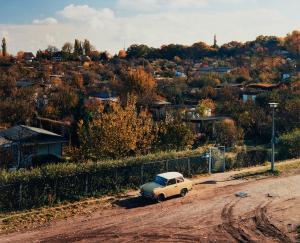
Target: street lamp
(273,106)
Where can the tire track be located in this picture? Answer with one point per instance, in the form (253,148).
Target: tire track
(229,223)
(268,229)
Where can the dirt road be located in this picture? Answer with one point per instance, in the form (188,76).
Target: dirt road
(210,213)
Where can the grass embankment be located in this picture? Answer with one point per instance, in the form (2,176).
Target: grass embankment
(280,168)
(30,219)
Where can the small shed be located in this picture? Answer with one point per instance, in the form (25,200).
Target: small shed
(30,144)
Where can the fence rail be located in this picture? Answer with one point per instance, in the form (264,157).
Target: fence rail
(48,191)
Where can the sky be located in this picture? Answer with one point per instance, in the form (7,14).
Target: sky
(29,25)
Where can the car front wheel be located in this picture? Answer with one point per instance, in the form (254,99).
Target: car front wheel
(160,198)
(183,192)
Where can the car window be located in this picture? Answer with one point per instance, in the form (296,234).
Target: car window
(171,182)
(179,179)
(160,180)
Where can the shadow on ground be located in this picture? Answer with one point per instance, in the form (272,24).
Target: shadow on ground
(134,202)
(138,202)
(211,182)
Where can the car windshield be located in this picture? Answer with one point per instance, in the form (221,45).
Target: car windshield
(160,180)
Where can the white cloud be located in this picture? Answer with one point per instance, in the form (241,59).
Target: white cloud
(107,31)
(148,6)
(84,14)
(156,5)
(45,21)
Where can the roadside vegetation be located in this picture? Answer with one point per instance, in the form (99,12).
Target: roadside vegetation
(281,168)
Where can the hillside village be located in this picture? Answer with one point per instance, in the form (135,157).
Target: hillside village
(59,103)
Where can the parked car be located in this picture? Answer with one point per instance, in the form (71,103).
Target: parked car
(166,185)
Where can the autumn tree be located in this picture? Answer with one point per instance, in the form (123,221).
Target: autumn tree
(62,102)
(120,132)
(292,42)
(77,80)
(18,108)
(141,83)
(67,50)
(227,133)
(204,105)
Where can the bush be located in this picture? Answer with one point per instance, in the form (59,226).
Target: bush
(227,133)
(289,144)
(174,136)
(248,158)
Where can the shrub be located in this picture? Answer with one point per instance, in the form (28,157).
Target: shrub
(289,144)
(174,135)
(227,133)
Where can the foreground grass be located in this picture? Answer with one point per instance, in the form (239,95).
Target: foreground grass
(30,219)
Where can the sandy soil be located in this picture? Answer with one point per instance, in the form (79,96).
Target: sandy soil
(211,212)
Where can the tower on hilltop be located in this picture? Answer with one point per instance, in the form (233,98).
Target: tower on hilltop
(215,41)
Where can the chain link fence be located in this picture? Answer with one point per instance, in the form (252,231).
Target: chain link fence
(48,191)
(56,189)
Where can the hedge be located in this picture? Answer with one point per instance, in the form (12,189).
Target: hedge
(55,183)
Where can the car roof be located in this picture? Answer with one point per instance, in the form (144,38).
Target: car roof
(170,175)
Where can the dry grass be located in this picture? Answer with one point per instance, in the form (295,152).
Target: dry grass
(38,217)
(287,167)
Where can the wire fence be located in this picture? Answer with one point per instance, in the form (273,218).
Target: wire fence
(56,189)
(48,191)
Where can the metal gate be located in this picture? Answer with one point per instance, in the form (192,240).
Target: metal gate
(216,158)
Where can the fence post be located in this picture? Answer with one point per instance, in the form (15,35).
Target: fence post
(20,195)
(224,159)
(189,166)
(167,165)
(209,162)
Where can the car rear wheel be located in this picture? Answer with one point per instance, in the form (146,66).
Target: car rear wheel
(183,192)
(160,198)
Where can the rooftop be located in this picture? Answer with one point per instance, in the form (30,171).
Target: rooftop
(170,175)
(24,132)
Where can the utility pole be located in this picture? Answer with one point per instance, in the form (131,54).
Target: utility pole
(273,106)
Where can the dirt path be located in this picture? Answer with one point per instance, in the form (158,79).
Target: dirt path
(209,213)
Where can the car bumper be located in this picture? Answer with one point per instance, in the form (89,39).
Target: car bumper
(147,195)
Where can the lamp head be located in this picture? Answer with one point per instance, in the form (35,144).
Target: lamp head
(273,105)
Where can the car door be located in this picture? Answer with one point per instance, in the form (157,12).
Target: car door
(170,189)
(180,184)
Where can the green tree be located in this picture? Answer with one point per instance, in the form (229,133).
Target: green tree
(4,48)
(174,135)
(289,144)
(87,47)
(78,50)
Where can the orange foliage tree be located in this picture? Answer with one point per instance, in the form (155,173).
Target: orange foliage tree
(119,132)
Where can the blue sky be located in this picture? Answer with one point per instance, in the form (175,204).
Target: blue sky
(153,22)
